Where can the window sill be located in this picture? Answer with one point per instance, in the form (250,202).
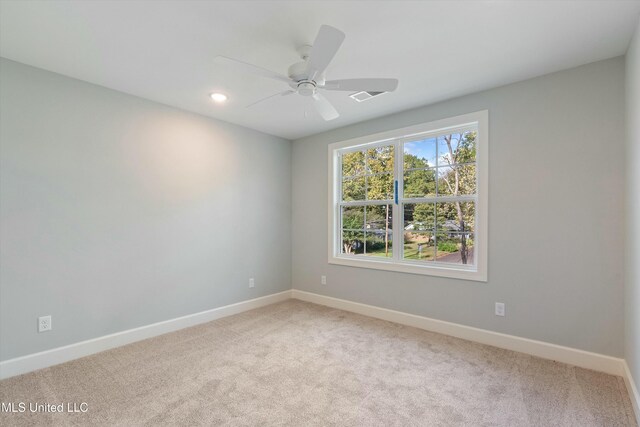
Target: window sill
(453,272)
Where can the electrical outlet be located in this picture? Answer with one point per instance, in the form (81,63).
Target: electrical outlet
(323,280)
(252,283)
(500,309)
(44,323)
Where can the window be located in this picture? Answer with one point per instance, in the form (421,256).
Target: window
(412,200)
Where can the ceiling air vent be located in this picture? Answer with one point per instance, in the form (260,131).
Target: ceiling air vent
(363,96)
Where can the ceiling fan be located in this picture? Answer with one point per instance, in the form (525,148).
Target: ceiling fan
(307,78)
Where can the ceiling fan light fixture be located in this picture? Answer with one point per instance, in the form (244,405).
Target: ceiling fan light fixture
(306,88)
(218,97)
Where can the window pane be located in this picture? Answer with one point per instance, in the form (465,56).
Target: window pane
(455,248)
(380,159)
(419,217)
(466,179)
(377,245)
(420,154)
(437,213)
(353,189)
(379,217)
(353,218)
(457,148)
(455,217)
(352,242)
(380,187)
(419,246)
(419,183)
(353,164)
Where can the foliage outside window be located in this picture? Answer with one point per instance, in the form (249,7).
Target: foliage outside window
(411,202)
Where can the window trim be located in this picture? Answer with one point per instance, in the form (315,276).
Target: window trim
(480,119)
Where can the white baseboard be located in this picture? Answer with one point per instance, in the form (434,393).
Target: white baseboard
(572,356)
(633,391)
(44,359)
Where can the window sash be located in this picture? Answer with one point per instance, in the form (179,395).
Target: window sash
(397,240)
(471,122)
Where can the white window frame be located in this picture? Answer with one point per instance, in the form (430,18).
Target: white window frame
(478,272)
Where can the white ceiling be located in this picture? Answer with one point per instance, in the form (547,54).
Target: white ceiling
(164,50)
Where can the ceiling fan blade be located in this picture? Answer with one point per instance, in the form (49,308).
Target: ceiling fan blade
(250,69)
(324,107)
(286,92)
(324,48)
(368,85)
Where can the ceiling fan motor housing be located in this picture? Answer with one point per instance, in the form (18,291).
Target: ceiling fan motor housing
(298,71)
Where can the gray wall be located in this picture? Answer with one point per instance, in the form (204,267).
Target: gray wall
(632,296)
(117,212)
(556,194)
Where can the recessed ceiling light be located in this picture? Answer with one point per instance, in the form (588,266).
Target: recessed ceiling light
(218,97)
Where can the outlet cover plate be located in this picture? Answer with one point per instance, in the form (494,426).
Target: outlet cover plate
(44,323)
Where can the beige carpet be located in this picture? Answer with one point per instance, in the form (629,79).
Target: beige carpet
(300,364)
